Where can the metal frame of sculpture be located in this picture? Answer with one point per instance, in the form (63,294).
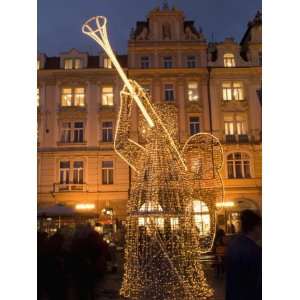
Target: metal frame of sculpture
(163,245)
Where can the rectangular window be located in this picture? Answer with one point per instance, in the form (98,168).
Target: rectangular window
(66,97)
(238,93)
(107,96)
(78,132)
(68,63)
(229,60)
(145,64)
(73,97)
(78,172)
(168,63)
(77,63)
(64,172)
(72,63)
(229,127)
(193,93)
(194,125)
(107,131)
(38,65)
(107,172)
(169,92)
(107,63)
(66,132)
(79,97)
(232,91)
(191,61)
(227,92)
(38,97)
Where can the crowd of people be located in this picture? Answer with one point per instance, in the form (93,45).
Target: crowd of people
(72,263)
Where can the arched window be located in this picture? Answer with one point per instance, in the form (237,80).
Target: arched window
(229,60)
(238,165)
(201,217)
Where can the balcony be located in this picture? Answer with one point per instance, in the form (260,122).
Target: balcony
(238,138)
(69,187)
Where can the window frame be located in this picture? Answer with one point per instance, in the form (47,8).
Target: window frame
(191,91)
(168,61)
(241,163)
(193,124)
(72,96)
(172,92)
(107,131)
(229,60)
(107,173)
(233,91)
(107,94)
(191,63)
(72,134)
(144,64)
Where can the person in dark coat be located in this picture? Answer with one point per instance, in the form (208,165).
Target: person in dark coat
(244,261)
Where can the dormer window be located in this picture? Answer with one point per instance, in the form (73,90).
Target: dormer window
(72,63)
(107,63)
(229,60)
(168,63)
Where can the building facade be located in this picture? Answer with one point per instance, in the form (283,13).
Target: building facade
(216,88)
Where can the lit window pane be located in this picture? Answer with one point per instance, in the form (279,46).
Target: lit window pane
(77,63)
(107,63)
(229,60)
(79,96)
(68,63)
(66,97)
(107,96)
(193,93)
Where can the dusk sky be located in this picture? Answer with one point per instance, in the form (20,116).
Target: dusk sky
(59,21)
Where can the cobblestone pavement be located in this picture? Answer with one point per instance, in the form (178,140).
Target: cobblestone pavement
(108,289)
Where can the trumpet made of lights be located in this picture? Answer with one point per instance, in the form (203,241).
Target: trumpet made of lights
(163,241)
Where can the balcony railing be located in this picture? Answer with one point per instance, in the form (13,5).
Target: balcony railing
(237,138)
(70,187)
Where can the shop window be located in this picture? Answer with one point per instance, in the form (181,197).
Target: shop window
(201,217)
(238,165)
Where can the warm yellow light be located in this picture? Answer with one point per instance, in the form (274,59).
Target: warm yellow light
(99,34)
(84,206)
(225,204)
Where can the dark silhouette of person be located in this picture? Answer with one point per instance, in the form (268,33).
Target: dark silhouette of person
(244,261)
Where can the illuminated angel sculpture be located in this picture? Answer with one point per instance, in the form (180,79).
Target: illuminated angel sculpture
(163,244)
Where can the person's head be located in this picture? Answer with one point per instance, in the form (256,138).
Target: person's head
(251,223)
